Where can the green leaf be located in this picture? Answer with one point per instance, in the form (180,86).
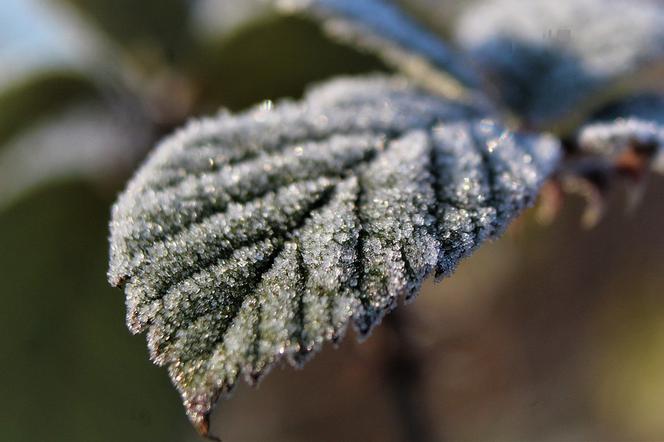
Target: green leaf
(557,62)
(83,141)
(40,96)
(249,239)
(158,26)
(269,58)
(67,361)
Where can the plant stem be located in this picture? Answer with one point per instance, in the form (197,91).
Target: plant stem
(403,372)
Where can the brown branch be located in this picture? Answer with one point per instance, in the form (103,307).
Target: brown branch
(403,373)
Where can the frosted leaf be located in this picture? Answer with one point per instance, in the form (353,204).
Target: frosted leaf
(382,26)
(636,124)
(648,107)
(251,238)
(556,62)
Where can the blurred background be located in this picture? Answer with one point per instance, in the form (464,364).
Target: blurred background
(553,333)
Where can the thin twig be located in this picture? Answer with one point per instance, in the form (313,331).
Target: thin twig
(403,371)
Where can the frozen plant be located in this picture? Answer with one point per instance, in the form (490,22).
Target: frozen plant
(249,239)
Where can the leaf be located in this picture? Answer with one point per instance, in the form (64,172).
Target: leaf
(439,15)
(635,126)
(383,27)
(557,62)
(645,107)
(161,26)
(214,19)
(83,141)
(39,96)
(248,239)
(54,316)
(245,66)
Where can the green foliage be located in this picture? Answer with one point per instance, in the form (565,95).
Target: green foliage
(38,97)
(158,26)
(247,66)
(70,371)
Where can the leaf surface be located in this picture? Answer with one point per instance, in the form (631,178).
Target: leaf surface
(557,62)
(253,238)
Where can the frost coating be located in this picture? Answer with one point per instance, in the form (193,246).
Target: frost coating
(384,27)
(637,123)
(251,238)
(557,61)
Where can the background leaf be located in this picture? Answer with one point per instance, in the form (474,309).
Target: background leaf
(251,238)
(648,107)
(36,97)
(241,69)
(438,15)
(556,63)
(636,124)
(384,27)
(83,141)
(59,382)
(157,26)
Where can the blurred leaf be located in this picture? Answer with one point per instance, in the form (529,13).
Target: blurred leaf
(623,140)
(439,15)
(270,58)
(85,141)
(384,27)
(627,136)
(649,107)
(217,18)
(557,62)
(40,96)
(157,27)
(70,372)
(246,239)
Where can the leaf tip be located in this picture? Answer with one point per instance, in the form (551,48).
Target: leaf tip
(198,411)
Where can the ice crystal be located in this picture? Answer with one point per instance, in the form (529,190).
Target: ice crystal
(554,62)
(385,28)
(251,238)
